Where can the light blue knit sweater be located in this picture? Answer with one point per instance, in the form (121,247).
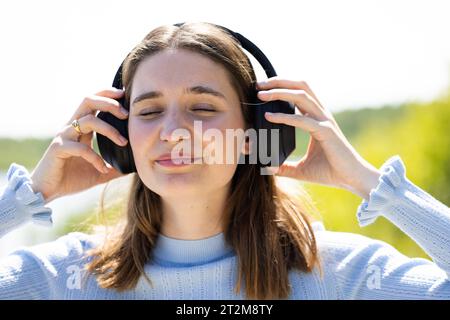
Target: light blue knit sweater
(355,267)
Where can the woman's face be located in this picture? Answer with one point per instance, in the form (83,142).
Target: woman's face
(180,87)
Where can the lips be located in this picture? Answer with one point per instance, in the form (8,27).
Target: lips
(167,156)
(167,161)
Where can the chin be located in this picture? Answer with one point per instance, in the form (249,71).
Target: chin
(179,191)
(176,183)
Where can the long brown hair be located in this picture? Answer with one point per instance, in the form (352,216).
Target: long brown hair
(269,229)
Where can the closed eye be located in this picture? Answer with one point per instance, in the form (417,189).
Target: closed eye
(194,109)
(149,113)
(203,109)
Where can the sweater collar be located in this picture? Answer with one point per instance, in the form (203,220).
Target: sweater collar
(191,252)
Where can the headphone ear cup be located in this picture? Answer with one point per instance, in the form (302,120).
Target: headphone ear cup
(120,157)
(286,141)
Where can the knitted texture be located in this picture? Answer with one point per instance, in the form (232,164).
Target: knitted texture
(19,203)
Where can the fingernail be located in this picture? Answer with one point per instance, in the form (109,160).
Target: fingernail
(124,111)
(269,114)
(105,169)
(123,140)
(261,83)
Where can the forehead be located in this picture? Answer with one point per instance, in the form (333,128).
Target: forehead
(176,69)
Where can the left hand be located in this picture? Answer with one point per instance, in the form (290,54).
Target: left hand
(330,159)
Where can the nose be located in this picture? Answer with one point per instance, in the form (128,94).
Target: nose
(174,127)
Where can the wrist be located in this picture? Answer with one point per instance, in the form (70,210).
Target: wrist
(36,188)
(367,181)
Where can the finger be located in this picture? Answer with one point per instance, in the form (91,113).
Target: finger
(299,97)
(91,104)
(279,82)
(319,130)
(112,93)
(295,120)
(112,174)
(288,169)
(90,123)
(70,148)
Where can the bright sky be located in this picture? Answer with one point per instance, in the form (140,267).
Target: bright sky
(352,53)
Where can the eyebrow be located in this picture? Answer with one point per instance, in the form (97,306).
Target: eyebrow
(192,90)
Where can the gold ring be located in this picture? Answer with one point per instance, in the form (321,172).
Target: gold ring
(76,125)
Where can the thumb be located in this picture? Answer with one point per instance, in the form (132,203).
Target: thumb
(289,169)
(112,174)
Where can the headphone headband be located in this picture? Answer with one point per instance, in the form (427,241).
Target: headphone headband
(243,41)
(250,47)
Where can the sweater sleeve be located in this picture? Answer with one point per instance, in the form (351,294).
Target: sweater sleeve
(366,268)
(46,271)
(414,211)
(19,203)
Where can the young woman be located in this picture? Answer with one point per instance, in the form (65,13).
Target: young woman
(216,231)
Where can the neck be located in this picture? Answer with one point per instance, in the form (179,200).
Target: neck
(194,217)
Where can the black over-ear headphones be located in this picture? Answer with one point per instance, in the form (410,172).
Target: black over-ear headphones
(122,159)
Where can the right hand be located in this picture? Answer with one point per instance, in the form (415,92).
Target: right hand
(69,166)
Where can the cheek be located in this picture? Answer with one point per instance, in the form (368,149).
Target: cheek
(222,140)
(143,136)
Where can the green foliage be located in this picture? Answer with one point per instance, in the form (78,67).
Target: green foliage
(26,152)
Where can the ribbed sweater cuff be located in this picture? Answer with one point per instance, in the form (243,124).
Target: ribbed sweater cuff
(19,203)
